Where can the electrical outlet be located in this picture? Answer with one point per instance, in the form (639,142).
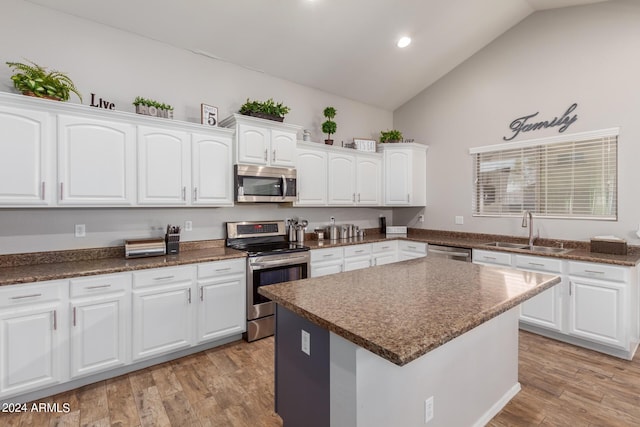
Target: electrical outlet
(459,220)
(80,230)
(333,220)
(421,218)
(188,226)
(306,342)
(428,409)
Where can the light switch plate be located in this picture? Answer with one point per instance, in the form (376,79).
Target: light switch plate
(459,220)
(306,342)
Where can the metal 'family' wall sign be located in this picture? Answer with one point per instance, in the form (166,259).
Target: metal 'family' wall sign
(521,124)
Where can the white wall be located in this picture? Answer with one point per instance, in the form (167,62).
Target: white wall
(587,55)
(119,66)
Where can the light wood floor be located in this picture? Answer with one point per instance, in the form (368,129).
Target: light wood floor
(232,385)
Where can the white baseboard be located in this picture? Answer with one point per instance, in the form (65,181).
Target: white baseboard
(497,407)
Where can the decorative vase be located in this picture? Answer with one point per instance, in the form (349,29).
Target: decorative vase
(265,116)
(328,141)
(35,95)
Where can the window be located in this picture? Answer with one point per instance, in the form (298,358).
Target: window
(570,176)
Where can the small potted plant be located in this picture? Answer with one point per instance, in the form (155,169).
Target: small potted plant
(268,109)
(153,108)
(34,80)
(329,126)
(390,136)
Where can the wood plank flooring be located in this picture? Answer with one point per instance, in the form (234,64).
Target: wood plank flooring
(232,385)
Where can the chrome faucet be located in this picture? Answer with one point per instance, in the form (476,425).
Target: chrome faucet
(524,225)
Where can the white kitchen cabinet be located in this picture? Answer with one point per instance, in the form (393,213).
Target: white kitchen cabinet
(491,258)
(263,142)
(163,166)
(405,174)
(354,178)
(211,170)
(96,161)
(32,336)
(357,257)
(221,299)
(409,250)
(545,309)
(600,303)
(384,252)
(326,261)
(311,167)
(162,310)
(100,323)
(26,164)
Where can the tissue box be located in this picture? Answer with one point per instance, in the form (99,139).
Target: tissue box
(611,246)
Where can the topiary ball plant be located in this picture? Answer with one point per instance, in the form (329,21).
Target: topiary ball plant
(329,126)
(34,80)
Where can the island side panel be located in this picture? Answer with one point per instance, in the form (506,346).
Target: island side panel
(470,379)
(301,380)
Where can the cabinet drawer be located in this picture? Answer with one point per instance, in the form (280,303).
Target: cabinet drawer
(491,257)
(409,246)
(380,247)
(160,276)
(551,265)
(357,250)
(15,295)
(326,254)
(99,284)
(599,271)
(222,268)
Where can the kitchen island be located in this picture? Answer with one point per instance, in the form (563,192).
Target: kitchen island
(385,346)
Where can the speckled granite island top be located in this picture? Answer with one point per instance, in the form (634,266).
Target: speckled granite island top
(402,311)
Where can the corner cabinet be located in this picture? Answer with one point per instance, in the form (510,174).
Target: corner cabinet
(405,174)
(109,158)
(263,142)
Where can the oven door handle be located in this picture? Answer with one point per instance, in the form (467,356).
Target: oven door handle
(268,264)
(284,187)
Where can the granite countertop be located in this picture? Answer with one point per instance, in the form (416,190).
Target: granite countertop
(577,251)
(402,311)
(73,267)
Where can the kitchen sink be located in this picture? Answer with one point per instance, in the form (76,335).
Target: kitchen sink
(535,249)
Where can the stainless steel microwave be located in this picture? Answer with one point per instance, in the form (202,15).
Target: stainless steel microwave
(264,184)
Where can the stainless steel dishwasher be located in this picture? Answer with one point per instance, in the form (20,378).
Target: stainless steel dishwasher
(450,252)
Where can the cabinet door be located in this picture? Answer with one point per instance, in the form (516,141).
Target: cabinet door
(369,181)
(283,148)
(25,164)
(211,171)
(95,162)
(253,144)
(325,268)
(30,349)
(357,263)
(545,309)
(163,166)
(397,177)
(221,307)
(99,333)
(162,319)
(311,166)
(342,177)
(597,311)
(385,258)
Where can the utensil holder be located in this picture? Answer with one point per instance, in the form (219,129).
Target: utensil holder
(173,243)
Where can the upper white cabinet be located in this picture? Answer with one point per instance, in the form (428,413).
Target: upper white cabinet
(311,166)
(263,142)
(95,161)
(405,174)
(211,170)
(342,179)
(26,164)
(163,166)
(355,178)
(368,179)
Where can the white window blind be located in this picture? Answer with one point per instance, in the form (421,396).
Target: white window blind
(561,177)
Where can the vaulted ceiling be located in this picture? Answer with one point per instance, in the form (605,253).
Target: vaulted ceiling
(344,47)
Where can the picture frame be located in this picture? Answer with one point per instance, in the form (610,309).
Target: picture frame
(365,144)
(208,115)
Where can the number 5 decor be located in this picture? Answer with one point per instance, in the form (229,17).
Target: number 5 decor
(209,115)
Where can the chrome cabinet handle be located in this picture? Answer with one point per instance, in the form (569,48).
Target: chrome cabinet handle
(358,197)
(408,198)
(201,293)
(163,277)
(195,194)
(74,316)
(360,251)
(189,295)
(223,269)
(43,188)
(55,320)
(265,154)
(27,296)
(354,197)
(594,272)
(273,158)
(61,190)
(489,257)
(184,193)
(536,264)
(108,285)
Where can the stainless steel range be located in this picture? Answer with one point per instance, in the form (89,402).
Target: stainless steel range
(272,259)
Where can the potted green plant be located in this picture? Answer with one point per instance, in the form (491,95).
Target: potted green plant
(390,136)
(329,126)
(268,109)
(34,80)
(150,107)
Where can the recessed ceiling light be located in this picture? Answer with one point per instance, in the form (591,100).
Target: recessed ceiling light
(404,41)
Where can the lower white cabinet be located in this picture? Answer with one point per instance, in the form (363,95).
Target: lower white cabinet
(410,250)
(100,323)
(326,261)
(384,252)
(32,336)
(162,311)
(357,257)
(221,299)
